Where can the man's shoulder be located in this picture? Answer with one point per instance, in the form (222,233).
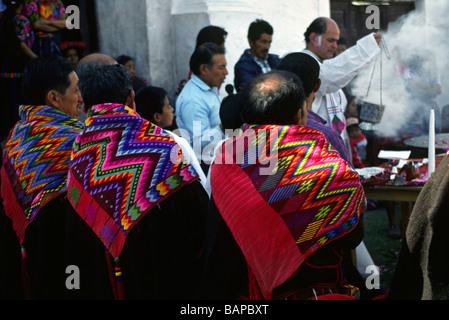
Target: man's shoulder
(274,57)
(244,59)
(194,94)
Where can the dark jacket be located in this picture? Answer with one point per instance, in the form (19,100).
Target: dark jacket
(246,69)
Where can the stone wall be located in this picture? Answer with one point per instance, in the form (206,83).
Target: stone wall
(161,34)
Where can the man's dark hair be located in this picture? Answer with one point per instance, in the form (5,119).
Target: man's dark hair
(213,34)
(150,100)
(272,98)
(305,67)
(257,28)
(229,112)
(204,55)
(105,84)
(123,59)
(319,26)
(42,75)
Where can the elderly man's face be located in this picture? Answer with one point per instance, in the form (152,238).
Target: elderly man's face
(71,102)
(325,46)
(215,74)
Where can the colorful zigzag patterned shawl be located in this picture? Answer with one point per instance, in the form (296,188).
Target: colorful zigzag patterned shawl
(291,195)
(122,166)
(36,162)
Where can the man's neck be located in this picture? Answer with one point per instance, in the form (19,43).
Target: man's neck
(204,81)
(310,50)
(256,57)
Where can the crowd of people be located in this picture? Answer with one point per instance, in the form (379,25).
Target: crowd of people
(254,196)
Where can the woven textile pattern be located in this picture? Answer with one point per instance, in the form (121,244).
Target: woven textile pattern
(36,158)
(121,167)
(310,178)
(302,187)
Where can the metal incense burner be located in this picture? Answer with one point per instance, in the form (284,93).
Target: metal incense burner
(370,113)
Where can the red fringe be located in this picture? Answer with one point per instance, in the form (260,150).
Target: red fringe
(116,281)
(111,273)
(25,277)
(254,289)
(120,290)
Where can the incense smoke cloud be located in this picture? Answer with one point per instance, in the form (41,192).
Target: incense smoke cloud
(418,39)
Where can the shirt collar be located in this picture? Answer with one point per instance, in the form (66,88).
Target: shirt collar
(201,84)
(265,61)
(313,55)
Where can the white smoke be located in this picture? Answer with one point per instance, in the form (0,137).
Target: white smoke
(420,38)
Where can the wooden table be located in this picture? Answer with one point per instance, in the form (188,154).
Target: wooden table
(406,195)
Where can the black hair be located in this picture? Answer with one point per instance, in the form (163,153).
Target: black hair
(42,75)
(204,55)
(150,100)
(123,59)
(213,34)
(276,104)
(257,28)
(105,84)
(318,26)
(305,67)
(229,112)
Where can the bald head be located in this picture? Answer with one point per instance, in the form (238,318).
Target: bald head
(96,59)
(274,98)
(321,37)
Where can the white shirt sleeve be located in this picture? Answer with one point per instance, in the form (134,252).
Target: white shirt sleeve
(188,153)
(336,73)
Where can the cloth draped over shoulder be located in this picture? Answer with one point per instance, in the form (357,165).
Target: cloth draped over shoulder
(36,162)
(421,272)
(291,195)
(121,167)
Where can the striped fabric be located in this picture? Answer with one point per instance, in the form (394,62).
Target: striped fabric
(122,166)
(282,212)
(36,162)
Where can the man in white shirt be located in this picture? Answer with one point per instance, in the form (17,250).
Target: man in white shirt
(335,73)
(198,105)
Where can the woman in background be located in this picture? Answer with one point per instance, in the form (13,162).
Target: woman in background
(48,20)
(16,41)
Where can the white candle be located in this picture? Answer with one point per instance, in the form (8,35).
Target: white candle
(431,142)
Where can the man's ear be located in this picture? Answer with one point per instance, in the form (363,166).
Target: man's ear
(52,99)
(130,100)
(301,115)
(203,68)
(315,39)
(156,117)
(318,85)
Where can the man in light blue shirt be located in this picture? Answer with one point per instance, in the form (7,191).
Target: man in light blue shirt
(198,105)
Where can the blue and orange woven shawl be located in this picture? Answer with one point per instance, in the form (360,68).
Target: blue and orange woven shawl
(36,162)
(291,195)
(122,166)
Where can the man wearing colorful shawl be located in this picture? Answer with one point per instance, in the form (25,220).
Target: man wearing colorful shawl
(34,181)
(285,207)
(140,208)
